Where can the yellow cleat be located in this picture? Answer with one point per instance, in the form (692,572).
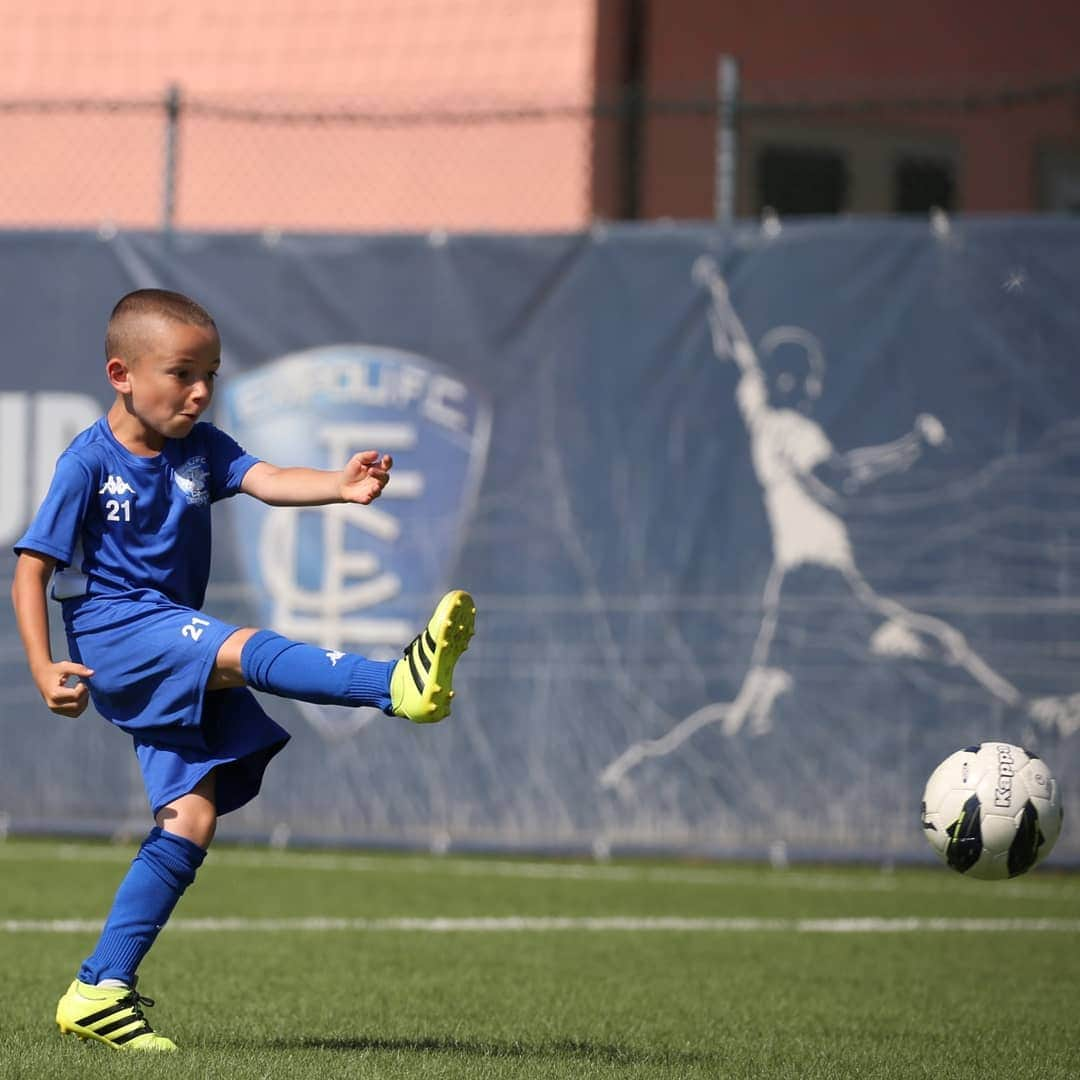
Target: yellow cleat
(112,1015)
(420,683)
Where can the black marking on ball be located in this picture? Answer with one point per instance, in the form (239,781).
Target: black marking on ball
(965,838)
(1024,849)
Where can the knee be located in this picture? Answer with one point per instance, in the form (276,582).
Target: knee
(228,657)
(194,815)
(202,829)
(228,668)
(197,823)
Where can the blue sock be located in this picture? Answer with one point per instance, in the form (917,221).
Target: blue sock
(291,669)
(164,867)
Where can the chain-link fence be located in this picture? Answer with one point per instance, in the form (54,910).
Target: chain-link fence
(209,165)
(203,163)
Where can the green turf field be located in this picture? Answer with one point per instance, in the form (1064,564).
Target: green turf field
(298,965)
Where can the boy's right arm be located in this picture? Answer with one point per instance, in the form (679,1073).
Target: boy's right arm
(28,596)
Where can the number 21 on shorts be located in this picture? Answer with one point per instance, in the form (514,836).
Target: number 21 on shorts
(194,629)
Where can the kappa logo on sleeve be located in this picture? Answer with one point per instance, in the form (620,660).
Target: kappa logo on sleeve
(357,578)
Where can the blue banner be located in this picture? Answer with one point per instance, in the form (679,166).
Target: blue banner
(761,525)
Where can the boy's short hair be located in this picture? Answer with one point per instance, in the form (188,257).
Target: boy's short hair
(123,334)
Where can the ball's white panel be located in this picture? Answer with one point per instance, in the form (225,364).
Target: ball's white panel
(1038,780)
(958,771)
(990,867)
(998,831)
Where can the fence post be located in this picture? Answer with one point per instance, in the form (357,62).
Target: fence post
(727,147)
(172,137)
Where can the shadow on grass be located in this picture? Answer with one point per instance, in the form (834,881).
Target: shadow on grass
(577,1049)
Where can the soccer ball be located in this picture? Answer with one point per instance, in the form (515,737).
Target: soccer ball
(992,811)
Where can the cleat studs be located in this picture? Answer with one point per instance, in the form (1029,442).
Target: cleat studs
(450,694)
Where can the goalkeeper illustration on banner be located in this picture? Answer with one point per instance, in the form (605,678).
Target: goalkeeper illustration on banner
(786,447)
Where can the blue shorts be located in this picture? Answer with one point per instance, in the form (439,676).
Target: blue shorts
(151,659)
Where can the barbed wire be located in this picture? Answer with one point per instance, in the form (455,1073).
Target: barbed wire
(960,100)
(59,105)
(751,102)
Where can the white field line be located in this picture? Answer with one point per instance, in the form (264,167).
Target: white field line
(450,866)
(527,924)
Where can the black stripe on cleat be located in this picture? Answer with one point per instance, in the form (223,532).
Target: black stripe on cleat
(146,1029)
(425,657)
(93,1018)
(123,1022)
(417,678)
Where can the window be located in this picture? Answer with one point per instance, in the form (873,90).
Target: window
(1059,179)
(802,180)
(921,183)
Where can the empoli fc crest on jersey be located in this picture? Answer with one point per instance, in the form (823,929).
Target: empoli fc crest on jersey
(348,577)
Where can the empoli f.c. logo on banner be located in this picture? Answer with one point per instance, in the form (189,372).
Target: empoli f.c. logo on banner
(347,577)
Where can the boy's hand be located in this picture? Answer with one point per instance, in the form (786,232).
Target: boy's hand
(61,697)
(364,476)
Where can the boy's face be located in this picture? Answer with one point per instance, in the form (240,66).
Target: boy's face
(171,381)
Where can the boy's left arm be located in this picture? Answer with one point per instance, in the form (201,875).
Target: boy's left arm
(361,481)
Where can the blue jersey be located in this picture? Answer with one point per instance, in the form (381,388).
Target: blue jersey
(117,522)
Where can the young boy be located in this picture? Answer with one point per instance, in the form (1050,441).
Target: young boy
(124,535)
